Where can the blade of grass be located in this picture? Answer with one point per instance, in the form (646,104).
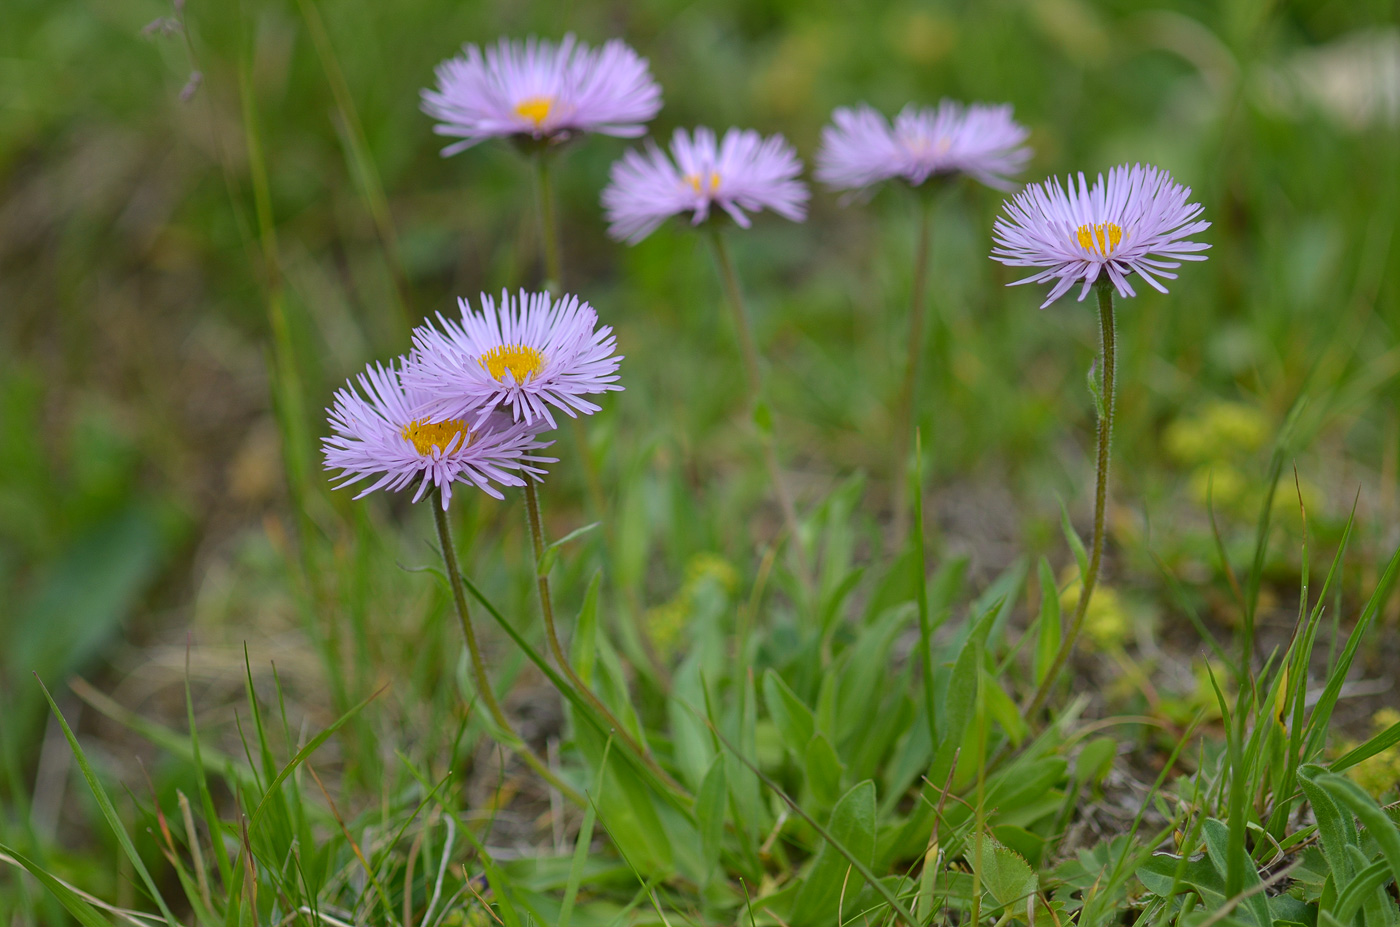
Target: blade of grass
(108,811)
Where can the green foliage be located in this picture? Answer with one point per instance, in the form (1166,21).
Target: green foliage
(850,752)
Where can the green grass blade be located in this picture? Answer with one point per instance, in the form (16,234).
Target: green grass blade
(77,905)
(108,811)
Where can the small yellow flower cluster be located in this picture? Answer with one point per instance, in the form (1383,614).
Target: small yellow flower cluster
(666,621)
(1379,774)
(1220,443)
(1107,623)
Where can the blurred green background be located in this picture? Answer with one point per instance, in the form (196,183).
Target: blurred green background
(147,490)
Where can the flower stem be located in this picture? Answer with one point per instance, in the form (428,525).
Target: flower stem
(1091,576)
(532,511)
(483,682)
(730,281)
(907,406)
(549,227)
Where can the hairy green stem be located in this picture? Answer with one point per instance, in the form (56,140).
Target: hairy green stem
(1090,578)
(483,682)
(907,406)
(532,511)
(753,373)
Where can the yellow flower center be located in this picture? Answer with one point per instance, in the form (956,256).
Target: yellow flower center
(1101,239)
(711,185)
(521,360)
(535,109)
(428,435)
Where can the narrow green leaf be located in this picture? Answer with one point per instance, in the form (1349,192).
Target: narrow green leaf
(1378,824)
(852,826)
(108,811)
(1217,836)
(1050,629)
(793,719)
(710,805)
(583,650)
(1364,885)
(79,907)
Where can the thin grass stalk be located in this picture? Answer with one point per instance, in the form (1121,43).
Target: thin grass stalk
(483,682)
(907,405)
(754,375)
(532,511)
(1108,361)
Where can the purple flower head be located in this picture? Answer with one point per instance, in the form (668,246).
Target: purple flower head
(531,353)
(542,91)
(1137,222)
(861,149)
(743,172)
(380,430)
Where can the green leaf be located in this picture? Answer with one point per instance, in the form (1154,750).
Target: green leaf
(1165,874)
(77,906)
(625,806)
(1081,557)
(583,649)
(1365,884)
(1378,744)
(551,551)
(1335,830)
(824,770)
(793,719)
(108,811)
(1005,875)
(1217,835)
(1378,824)
(1095,760)
(763,417)
(1047,643)
(710,805)
(852,824)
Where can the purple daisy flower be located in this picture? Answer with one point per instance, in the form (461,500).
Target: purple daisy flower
(860,148)
(1137,222)
(380,430)
(743,172)
(531,353)
(539,90)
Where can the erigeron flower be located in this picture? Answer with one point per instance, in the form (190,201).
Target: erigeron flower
(1136,222)
(860,148)
(381,431)
(528,354)
(542,91)
(742,173)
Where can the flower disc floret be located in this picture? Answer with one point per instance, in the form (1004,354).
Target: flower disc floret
(527,355)
(860,148)
(1135,222)
(742,173)
(381,433)
(538,90)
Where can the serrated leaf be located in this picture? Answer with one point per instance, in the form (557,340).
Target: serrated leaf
(1005,875)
